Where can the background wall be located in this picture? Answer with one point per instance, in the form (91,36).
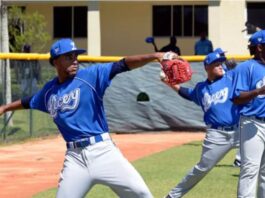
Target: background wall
(226,22)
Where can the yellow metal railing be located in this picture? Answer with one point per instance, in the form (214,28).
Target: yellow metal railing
(36,56)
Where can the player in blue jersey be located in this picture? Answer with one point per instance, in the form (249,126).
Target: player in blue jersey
(249,91)
(221,117)
(74,99)
(228,65)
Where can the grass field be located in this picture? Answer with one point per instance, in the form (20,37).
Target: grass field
(164,170)
(42,125)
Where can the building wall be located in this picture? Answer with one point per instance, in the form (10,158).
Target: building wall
(125,25)
(47,11)
(226,21)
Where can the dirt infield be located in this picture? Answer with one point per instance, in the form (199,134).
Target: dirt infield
(28,168)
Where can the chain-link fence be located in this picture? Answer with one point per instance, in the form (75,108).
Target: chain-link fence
(26,77)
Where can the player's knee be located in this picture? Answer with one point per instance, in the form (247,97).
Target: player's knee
(144,193)
(199,169)
(250,169)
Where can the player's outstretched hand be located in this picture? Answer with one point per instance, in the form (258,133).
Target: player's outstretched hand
(261,91)
(2,110)
(169,56)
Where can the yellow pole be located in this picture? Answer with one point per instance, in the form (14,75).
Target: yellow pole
(36,56)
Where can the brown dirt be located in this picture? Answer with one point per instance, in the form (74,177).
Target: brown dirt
(31,167)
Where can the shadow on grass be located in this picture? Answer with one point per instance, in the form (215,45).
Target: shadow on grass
(224,165)
(193,144)
(13,131)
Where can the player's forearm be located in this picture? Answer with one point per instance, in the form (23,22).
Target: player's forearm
(184,93)
(141,60)
(11,107)
(245,97)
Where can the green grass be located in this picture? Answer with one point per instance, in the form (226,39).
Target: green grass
(164,170)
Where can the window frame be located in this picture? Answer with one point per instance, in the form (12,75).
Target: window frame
(248,3)
(73,25)
(172,13)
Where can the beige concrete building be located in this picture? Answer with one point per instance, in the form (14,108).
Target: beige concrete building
(119,28)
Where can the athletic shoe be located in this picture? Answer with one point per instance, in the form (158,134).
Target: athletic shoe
(237,163)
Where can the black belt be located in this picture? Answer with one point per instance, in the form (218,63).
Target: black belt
(224,128)
(260,119)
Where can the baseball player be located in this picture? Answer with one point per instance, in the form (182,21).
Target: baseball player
(221,117)
(228,65)
(74,99)
(249,92)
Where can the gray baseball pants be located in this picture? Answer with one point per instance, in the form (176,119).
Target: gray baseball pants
(216,144)
(100,163)
(252,147)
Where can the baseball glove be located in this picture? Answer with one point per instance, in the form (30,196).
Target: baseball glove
(177,71)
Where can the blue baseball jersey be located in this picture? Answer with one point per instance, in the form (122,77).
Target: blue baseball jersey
(250,75)
(76,105)
(214,99)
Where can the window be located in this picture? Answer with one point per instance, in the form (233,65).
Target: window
(70,22)
(255,16)
(177,20)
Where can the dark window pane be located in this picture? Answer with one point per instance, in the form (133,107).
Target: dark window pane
(62,22)
(200,20)
(187,20)
(161,20)
(177,21)
(80,21)
(256,16)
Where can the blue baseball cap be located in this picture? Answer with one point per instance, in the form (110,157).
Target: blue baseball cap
(64,46)
(213,58)
(257,38)
(219,51)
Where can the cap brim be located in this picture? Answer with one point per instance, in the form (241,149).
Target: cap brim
(220,59)
(78,51)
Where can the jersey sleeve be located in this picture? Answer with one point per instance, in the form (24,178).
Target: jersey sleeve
(38,101)
(241,79)
(194,95)
(190,94)
(185,93)
(97,76)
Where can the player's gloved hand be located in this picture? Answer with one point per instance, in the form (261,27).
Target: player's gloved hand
(176,70)
(164,79)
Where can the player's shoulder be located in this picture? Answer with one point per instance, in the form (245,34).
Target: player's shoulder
(90,68)
(201,85)
(51,83)
(245,66)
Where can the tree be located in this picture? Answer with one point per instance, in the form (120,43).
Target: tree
(26,28)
